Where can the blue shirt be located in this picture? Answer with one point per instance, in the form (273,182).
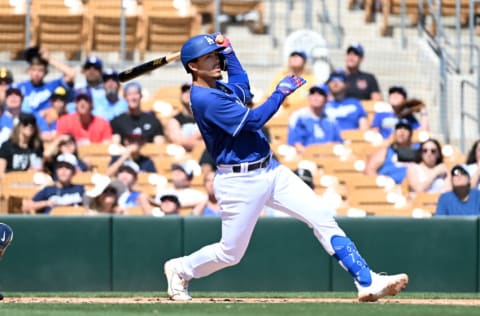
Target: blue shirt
(70,195)
(345,112)
(450,204)
(103,108)
(306,128)
(37,98)
(392,167)
(386,121)
(230,129)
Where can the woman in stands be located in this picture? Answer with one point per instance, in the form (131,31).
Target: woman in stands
(63,144)
(473,164)
(429,173)
(24,149)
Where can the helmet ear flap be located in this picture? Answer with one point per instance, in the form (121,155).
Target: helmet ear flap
(223,62)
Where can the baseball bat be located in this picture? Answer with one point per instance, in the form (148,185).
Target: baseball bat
(129,74)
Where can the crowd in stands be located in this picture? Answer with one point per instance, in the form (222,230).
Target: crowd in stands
(46,125)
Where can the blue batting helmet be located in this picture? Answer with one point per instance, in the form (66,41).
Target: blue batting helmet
(6,236)
(198,46)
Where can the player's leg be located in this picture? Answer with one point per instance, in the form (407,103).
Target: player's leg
(242,201)
(295,198)
(6,237)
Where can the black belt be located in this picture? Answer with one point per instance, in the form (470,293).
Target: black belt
(252,166)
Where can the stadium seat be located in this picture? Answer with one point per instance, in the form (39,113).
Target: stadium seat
(12,24)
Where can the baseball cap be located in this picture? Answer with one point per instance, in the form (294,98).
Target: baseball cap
(398,89)
(322,89)
(299,53)
(459,170)
(110,73)
(134,85)
(356,48)
(6,75)
(337,74)
(170,197)
(83,94)
(67,160)
(13,90)
(60,93)
(185,168)
(93,61)
(27,118)
(403,123)
(129,166)
(306,176)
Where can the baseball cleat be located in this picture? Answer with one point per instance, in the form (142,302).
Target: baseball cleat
(177,286)
(382,285)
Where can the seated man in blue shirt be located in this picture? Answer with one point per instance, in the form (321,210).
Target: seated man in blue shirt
(309,125)
(64,192)
(462,200)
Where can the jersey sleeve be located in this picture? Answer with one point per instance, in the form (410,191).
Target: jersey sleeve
(441,208)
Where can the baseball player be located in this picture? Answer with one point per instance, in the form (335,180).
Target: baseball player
(6,237)
(248,177)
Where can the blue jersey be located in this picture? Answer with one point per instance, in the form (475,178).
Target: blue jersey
(231,130)
(306,128)
(450,204)
(392,167)
(69,195)
(386,121)
(37,98)
(346,112)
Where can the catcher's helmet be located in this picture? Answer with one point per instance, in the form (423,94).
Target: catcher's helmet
(198,46)
(6,236)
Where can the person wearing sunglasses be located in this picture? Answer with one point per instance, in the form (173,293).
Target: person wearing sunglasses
(429,172)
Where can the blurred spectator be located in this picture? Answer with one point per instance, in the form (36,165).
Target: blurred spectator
(168,205)
(462,199)
(310,125)
(36,91)
(211,206)
(63,192)
(429,172)
(24,149)
(132,146)
(360,85)
(135,121)
(103,198)
(399,107)
(83,125)
(182,128)
(348,112)
(62,145)
(182,175)
(6,79)
(112,103)
(92,71)
(48,122)
(128,174)
(12,109)
(297,65)
(473,163)
(393,160)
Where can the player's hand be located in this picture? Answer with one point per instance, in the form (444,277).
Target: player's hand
(222,40)
(289,84)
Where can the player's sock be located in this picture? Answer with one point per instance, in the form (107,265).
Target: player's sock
(350,259)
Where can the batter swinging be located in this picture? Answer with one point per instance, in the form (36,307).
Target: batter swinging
(248,178)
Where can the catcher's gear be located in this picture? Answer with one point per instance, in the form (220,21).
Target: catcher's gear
(411,106)
(6,237)
(196,47)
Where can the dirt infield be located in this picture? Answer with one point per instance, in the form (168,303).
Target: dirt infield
(161,300)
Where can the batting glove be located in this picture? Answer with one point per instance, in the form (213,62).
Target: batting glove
(289,84)
(222,40)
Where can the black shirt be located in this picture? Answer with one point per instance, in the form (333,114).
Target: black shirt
(360,85)
(146,123)
(19,159)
